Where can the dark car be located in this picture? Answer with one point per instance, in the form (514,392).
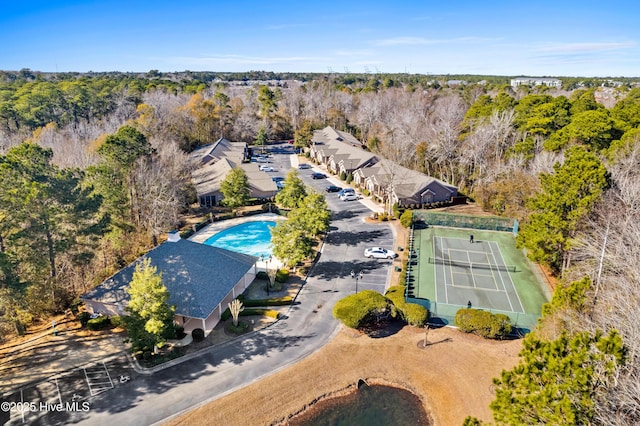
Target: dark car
(333,188)
(303,166)
(277,178)
(318,176)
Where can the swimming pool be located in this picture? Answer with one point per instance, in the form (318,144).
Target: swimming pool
(252,238)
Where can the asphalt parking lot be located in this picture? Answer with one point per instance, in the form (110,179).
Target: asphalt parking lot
(349,236)
(67,397)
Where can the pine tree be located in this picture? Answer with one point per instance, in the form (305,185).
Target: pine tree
(151,321)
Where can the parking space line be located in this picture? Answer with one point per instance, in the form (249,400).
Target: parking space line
(98,379)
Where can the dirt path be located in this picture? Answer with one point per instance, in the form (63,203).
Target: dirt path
(453,376)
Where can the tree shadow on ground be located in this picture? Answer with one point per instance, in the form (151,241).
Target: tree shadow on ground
(354,238)
(333,269)
(385,329)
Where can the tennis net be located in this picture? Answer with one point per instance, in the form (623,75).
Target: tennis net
(472,265)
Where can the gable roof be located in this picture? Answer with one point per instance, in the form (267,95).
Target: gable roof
(222,148)
(406,182)
(197,276)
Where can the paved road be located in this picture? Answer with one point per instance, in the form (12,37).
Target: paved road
(308,326)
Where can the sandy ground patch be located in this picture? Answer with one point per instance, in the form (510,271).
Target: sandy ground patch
(452,376)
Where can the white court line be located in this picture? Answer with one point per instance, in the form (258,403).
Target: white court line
(493,273)
(473,280)
(435,270)
(510,280)
(495,262)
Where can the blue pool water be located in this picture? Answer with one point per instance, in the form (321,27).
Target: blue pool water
(252,238)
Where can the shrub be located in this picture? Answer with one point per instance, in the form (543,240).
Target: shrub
(198,335)
(366,192)
(84,317)
(416,315)
(483,323)
(274,301)
(225,315)
(258,311)
(395,293)
(360,309)
(119,322)
(349,178)
(343,175)
(98,323)
(282,275)
(262,275)
(406,218)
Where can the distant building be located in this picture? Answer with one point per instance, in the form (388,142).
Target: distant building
(536,81)
(215,161)
(341,152)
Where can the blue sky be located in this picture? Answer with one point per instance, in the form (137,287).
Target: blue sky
(541,38)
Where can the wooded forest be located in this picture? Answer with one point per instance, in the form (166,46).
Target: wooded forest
(95,168)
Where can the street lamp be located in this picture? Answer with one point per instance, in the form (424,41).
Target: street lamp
(356,276)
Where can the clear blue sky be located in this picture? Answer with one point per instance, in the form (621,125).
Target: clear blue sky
(538,38)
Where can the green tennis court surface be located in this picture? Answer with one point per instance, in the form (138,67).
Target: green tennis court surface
(448,271)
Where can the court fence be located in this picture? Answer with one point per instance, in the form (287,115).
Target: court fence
(453,220)
(444,314)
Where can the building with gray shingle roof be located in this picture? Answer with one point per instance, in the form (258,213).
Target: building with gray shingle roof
(215,161)
(341,152)
(201,281)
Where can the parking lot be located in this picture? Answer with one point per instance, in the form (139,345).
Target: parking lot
(66,397)
(349,236)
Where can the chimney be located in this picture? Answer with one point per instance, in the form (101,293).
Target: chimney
(173,236)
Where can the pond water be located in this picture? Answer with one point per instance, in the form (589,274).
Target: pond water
(368,406)
(252,238)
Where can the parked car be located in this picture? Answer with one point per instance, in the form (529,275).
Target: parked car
(333,188)
(304,166)
(280,184)
(262,160)
(346,191)
(349,197)
(379,253)
(318,176)
(267,168)
(277,178)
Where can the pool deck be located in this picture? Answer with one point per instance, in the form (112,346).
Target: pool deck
(215,227)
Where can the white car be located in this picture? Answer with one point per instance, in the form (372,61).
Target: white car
(262,160)
(267,169)
(349,196)
(379,253)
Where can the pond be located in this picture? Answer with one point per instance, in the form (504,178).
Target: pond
(368,406)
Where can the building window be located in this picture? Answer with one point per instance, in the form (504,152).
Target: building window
(207,200)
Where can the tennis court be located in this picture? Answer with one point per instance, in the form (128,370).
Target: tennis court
(473,272)
(446,271)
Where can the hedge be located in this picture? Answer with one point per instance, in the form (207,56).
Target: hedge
(98,323)
(414,314)
(358,309)
(282,275)
(274,301)
(406,218)
(483,323)
(251,311)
